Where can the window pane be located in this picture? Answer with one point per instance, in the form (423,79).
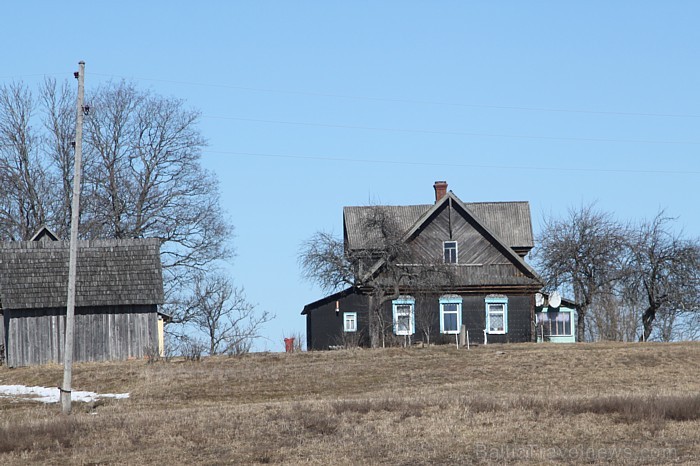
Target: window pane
(450,321)
(450,307)
(496,308)
(496,322)
(558,323)
(403,324)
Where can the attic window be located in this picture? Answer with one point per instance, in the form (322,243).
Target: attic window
(450,250)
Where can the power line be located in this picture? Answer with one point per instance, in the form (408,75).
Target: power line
(457,133)
(407,101)
(34,75)
(457,165)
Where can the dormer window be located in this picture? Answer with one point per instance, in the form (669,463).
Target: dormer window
(450,251)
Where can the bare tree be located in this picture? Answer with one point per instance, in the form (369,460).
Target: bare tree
(222,312)
(665,272)
(614,316)
(584,253)
(58,103)
(322,260)
(142,176)
(23,178)
(145,180)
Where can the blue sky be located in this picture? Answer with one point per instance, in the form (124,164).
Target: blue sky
(310,106)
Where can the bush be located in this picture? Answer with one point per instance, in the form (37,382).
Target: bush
(192,350)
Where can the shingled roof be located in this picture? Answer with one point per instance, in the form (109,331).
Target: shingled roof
(34,274)
(510,221)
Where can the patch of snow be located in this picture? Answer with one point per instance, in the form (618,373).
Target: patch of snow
(52,395)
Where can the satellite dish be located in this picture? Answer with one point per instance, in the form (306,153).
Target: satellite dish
(539,299)
(554,299)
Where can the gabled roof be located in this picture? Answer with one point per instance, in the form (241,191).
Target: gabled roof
(510,221)
(450,197)
(34,274)
(44,233)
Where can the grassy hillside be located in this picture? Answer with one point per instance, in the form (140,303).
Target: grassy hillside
(529,404)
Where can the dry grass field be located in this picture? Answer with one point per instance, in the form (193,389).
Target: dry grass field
(515,404)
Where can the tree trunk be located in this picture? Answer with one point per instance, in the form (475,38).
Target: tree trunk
(374,324)
(581,325)
(648,322)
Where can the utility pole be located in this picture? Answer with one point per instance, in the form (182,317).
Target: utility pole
(73,254)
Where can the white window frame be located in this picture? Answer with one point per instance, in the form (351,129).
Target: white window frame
(353,316)
(398,310)
(544,319)
(456,252)
(457,300)
(496,301)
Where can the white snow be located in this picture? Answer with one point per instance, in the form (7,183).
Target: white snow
(52,395)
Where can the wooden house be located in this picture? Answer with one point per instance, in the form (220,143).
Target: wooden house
(119,287)
(490,291)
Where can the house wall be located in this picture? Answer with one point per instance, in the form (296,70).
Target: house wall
(324,328)
(427,309)
(36,336)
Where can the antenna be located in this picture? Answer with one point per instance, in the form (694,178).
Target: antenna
(539,299)
(554,299)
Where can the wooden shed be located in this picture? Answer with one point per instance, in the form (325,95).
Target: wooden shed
(118,290)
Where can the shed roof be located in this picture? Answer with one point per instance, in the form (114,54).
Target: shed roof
(510,221)
(34,274)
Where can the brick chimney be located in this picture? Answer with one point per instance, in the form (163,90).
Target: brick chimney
(440,190)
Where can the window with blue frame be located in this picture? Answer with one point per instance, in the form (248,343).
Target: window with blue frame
(496,314)
(450,314)
(404,315)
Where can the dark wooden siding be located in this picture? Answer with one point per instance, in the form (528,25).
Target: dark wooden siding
(473,317)
(324,328)
(450,224)
(36,336)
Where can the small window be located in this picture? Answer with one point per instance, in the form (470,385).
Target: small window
(450,249)
(497,315)
(404,315)
(350,321)
(450,314)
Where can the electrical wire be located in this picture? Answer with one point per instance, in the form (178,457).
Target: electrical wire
(406,101)
(457,165)
(457,133)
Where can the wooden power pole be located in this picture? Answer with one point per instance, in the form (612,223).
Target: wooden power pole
(73,254)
